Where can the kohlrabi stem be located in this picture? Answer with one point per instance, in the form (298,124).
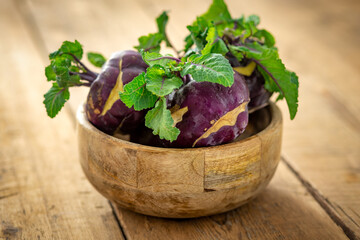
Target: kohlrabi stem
(166,57)
(83,65)
(84,76)
(269,73)
(85,84)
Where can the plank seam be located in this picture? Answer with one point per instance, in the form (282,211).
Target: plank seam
(9,195)
(118,220)
(342,110)
(37,39)
(346,214)
(322,201)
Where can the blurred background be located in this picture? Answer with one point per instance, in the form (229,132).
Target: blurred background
(318,39)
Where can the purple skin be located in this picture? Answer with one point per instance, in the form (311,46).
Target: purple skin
(259,96)
(207,103)
(144,136)
(119,116)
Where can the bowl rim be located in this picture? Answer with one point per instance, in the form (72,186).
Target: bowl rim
(276,119)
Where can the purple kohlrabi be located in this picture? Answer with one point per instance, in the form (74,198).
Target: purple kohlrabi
(209,114)
(259,96)
(104,108)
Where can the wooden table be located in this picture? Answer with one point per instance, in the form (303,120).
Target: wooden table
(315,193)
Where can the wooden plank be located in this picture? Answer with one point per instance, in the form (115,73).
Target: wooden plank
(325,137)
(43,193)
(284,211)
(319,40)
(104,18)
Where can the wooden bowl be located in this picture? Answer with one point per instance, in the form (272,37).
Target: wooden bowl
(182,183)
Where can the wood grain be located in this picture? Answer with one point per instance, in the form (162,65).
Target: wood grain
(228,168)
(43,193)
(284,210)
(319,41)
(323,143)
(325,36)
(181,183)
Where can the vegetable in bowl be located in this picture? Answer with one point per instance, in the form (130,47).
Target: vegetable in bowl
(199,97)
(209,113)
(104,109)
(249,49)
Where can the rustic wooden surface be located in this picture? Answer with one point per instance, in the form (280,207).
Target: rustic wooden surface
(315,193)
(43,194)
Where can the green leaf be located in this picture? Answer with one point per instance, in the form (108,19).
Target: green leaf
(198,32)
(62,60)
(214,43)
(217,11)
(158,83)
(74,68)
(74,48)
(60,67)
(55,99)
(96,59)
(161,22)
(64,79)
(266,37)
(218,14)
(49,73)
(288,82)
(149,59)
(254,19)
(65,69)
(54,54)
(188,53)
(219,46)
(210,38)
(272,68)
(210,68)
(246,27)
(237,51)
(135,94)
(226,27)
(189,42)
(159,119)
(150,43)
(62,75)
(74,80)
